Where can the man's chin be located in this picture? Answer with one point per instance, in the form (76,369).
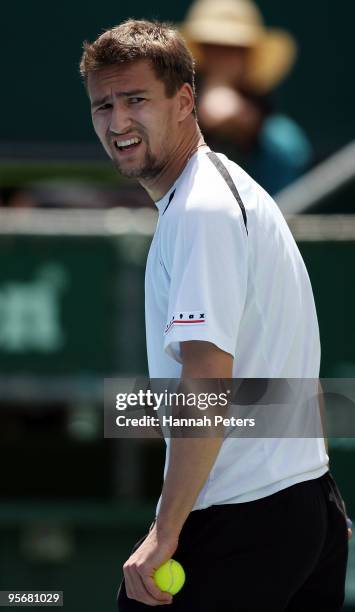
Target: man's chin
(128,172)
(137,172)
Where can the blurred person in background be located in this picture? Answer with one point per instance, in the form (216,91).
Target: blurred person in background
(240,63)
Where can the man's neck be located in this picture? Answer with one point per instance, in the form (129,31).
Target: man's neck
(179,157)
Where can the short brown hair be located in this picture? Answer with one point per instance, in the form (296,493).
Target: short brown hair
(132,40)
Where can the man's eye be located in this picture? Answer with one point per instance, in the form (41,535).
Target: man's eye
(135,100)
(104,107)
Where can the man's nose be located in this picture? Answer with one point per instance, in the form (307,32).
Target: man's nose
(120,120)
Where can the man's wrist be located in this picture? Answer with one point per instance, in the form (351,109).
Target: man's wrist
(168,528)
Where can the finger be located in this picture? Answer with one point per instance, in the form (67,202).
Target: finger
(152,588)
(350,534)
(136,592)
(128,585)
(139,592)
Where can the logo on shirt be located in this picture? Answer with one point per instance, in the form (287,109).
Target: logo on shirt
(197,317)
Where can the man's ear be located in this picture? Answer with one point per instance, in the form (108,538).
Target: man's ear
(186,101)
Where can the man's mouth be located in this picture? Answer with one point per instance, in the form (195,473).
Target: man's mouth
(127,144)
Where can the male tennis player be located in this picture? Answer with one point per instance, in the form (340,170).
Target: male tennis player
(257,523)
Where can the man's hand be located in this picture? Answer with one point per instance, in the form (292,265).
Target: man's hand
(140,567)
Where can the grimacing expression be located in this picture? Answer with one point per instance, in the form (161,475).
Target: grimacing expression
(132,117)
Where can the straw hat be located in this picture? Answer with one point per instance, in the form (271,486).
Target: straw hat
(239,23)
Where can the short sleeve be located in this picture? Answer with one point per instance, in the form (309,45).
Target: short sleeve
(208,280)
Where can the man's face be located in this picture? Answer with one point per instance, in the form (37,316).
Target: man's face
(133,118)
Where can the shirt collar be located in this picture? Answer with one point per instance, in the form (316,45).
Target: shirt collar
(164,202)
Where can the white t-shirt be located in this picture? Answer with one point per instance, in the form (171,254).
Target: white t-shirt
(246,290)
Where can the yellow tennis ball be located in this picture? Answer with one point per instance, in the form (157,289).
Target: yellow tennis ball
(170,577)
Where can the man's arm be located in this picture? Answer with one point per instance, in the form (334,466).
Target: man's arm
(322,415)
(191,459)
(190,462)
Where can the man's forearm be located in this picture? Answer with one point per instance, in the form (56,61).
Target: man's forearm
(205,368)
(190,462)
(322,415)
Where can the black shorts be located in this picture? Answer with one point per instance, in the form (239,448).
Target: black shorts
(285,552)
